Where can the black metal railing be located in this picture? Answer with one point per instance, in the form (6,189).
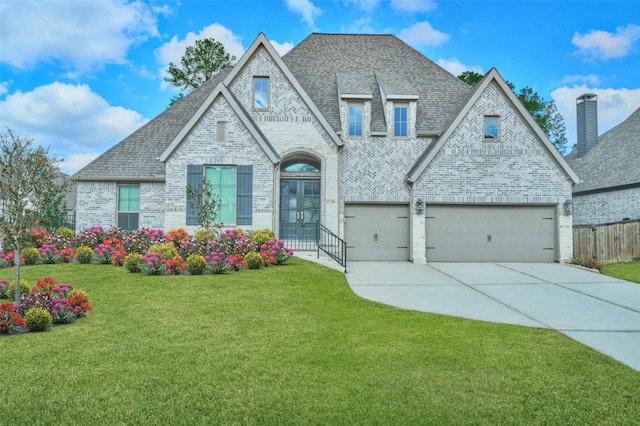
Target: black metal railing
(334,246)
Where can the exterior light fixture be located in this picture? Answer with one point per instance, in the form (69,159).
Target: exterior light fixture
(568,207)
(419,206)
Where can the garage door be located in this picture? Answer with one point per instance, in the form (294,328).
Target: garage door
(377,231)
(490,233)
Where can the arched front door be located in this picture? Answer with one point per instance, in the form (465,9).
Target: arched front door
(300,203)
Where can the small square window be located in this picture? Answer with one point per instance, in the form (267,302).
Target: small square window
(491,128)
(261,92)
(400,120)
(355,120)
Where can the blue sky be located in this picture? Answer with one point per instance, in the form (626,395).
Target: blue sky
(79,76)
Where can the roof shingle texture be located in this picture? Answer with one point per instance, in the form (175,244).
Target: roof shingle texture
(613,161)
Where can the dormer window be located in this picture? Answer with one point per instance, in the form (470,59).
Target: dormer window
(355,119)
(491,128)
(261,93)
(400,120)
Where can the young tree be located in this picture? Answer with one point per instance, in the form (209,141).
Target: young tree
(199,64)
(544,112)
(203,202)
(29,181)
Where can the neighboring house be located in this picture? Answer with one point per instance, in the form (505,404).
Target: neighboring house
(70,202)
(608,167)
(359,132)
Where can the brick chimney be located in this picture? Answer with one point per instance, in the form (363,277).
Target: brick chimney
(587,114)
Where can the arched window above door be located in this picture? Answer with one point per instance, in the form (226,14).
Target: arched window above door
(301,165)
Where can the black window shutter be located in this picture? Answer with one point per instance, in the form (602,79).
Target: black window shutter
(244,195)
(194,180)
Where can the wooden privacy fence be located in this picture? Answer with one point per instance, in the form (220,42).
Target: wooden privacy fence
(611,242)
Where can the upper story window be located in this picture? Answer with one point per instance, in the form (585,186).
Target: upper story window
(491,128)
(261,92)
(355,119)
(400,120)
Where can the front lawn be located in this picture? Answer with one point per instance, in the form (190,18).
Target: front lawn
(629,271)
(292,344)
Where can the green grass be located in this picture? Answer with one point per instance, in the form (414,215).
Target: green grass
(629,271)
(292,345)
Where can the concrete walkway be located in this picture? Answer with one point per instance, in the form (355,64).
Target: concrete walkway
(596,310)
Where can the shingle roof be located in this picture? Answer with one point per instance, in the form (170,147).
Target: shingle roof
(614,161)
(319,59)
(136,156)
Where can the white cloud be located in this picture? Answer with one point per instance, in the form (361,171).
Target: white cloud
(306,9)
(455,67)
(366,5)
(281,48)
(4,87)
(75,162)
(614,106)
(82,35)
(423,34)
(359,26)
(71,119)
(414,6)
(598,44)
(173,50)
(588,80)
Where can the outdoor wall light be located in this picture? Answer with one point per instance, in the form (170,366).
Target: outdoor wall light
(419,206)
(568,207)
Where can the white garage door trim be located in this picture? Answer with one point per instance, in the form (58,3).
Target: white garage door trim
(490,233)
(377,231)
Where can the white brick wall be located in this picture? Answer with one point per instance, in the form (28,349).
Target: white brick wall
(606,207)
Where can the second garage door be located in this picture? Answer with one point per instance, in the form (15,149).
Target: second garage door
(377,231)
(457,233)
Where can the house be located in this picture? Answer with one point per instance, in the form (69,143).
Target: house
(608,166)
(361,133)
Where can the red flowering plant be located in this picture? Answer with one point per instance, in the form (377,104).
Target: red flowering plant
(177,236)
(277,251)
(80,304)
(67,254)
(10,318)
(61,300)
(119,256)
(39,237)
(237,262)
(47,284)
(176,265)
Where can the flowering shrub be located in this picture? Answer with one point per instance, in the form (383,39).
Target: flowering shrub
(133,262)
(153,264)
(196,264)
(65,232)
(10,318)
(217,263)
(5,260)
(277,250)
(119,256)
(91,237)
(189,246)
(84,254)
(80,304)
(62,301)
(38,319)
(25,288)
(66,254)
(167,250)
(4,289)
(175,266)
(31,255)
(261,237)
(46,284)
(39,237)
(50,253)
(140,240)
(103,253)
(232,241)
(254,260)
(176,236)
(205,235)
(237,262)
(268,258)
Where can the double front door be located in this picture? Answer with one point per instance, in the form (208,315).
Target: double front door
(299,212)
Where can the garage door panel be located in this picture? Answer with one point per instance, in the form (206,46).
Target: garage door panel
(377,231)
(490,233)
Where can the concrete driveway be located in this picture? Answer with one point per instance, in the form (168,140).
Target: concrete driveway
(596,310)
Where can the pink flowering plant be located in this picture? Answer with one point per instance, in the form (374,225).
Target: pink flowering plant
(91,237)
(5,260)
(140,240)
(4,289)
(153,264)
(217,263)
(232,241)
(55,298)
(277,250)
(50,253)
(103,253)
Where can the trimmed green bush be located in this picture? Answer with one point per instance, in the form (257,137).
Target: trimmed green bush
(167,251)
(204,235)
(31,255)
(261,237)
(196,264)
(84,254)
(63,231)
(254,260)
(38,319)
(132,262)
(25,288)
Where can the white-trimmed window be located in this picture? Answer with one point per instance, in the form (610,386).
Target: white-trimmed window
(400,120)
(260,92)
(223,183)
(491,128)
(128,206)
(355,119)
